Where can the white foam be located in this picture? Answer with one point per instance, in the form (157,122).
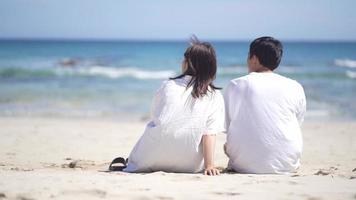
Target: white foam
(233,70)
(289,69)
(317,113)
(345,63)
(113,73)
(351,74)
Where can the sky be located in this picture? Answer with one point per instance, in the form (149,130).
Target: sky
(178,19)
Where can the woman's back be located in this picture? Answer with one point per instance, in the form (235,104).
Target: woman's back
(187,112)
(172,139)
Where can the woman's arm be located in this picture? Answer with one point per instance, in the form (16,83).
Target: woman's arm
(208,151)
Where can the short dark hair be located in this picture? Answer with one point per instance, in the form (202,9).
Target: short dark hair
(201,65)
(268,50)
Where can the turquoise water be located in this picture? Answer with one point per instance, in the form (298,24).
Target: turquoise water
(119,78)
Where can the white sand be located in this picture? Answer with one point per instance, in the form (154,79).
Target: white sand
(33,150)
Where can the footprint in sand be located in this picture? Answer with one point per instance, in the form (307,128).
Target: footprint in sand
(292,183)
(314,198)
(143,189)
(20,197)
(164,198)
(310,197)
(49,165)
(83,164)
(90,192)
(21,169)
(325,172)
(227,193)
(197,178)
(322,172)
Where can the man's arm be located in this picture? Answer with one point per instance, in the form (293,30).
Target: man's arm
(301,108)
(227,110)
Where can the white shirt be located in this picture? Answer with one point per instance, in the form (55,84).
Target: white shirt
(264,112)
(172,139)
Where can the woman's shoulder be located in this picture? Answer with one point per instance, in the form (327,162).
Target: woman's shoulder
(168,86)
(168,83)
(215,95)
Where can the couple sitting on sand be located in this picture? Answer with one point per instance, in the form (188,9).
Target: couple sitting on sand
(260,112)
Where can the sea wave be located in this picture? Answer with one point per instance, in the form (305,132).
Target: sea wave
(231,70)
(345,63)
(317,113)
(235,70)
(103,71)
(351,74)
(17,72)
(111,72)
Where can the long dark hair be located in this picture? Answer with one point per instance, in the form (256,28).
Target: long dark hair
(200,59)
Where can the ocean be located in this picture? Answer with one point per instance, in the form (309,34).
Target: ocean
(119,78)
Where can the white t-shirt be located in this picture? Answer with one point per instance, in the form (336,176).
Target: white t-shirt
(172,139)
(264,112)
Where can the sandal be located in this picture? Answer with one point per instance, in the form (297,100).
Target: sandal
(114,164)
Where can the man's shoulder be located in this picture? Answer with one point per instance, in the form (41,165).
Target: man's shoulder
(238,85)
(239,80)
(291,81)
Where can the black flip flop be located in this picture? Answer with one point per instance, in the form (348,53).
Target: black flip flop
(120,160)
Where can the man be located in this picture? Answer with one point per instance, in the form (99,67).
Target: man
(264,113)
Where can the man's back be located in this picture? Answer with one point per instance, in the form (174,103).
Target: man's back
(264,113)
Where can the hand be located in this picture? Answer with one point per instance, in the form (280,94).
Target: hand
(211,171)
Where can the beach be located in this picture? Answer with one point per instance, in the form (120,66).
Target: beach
(67,108)
(80,80)
(67,158)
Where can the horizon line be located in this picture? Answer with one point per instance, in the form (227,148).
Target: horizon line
(44,39)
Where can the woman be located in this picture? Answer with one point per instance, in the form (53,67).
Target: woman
(187,112)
